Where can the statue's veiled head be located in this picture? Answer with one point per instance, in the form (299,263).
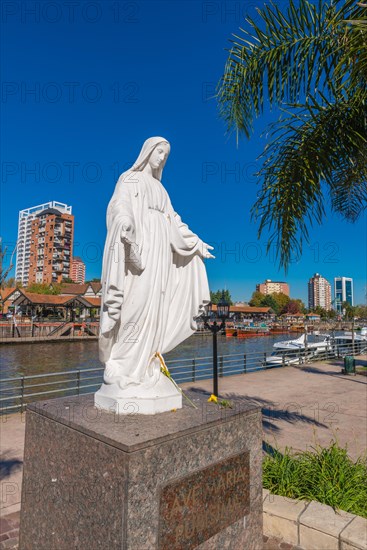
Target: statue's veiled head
(151,153)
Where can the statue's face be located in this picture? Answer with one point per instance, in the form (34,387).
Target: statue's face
(159,155)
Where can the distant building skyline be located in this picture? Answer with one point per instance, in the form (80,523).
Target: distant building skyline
(62,262)
(319,292)
(25,220)
(77,271)
(271,287)
(343,292)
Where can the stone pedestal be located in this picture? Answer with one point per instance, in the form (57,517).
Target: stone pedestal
(179,480)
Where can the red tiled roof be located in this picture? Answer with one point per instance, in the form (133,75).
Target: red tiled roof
(57,300)
(44,299)
(7,292)
(94,301)
(96,286)
(73,288)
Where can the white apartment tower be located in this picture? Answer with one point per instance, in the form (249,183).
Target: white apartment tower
(343,292)
(25,236)
(319,292)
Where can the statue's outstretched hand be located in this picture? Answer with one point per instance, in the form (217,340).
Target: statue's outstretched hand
(205,250)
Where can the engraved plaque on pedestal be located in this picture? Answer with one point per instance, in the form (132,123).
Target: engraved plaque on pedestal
(196,507)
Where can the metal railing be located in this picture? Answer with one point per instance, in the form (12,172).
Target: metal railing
(18,391)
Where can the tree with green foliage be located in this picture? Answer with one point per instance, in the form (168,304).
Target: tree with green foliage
(278,302)
(10,282)
(361,311)
(4,272)
(349,311)
(281,299)
(215,297)
(331,314)
(320,311)
(310,60)
(256,299)
(68,280)
(270,301)
(44,288)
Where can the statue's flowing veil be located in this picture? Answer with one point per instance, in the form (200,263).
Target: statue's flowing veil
(147,149)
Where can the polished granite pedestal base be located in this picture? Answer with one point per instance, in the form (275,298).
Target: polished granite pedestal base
(179,480)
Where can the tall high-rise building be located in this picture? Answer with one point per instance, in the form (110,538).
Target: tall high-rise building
(343,292)
(77,272)
(270,287)
(51,246)
(25,236)
(319,292)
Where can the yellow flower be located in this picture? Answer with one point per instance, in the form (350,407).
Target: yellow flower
(213,398)
(173,410)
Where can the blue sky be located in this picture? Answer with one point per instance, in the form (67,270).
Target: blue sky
(85,83)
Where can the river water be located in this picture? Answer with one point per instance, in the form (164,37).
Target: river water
(40,358)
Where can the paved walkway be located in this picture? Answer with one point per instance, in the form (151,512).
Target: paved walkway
(301,406)
(304,405)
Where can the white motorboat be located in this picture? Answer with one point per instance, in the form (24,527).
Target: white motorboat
(347,343)
(290,352)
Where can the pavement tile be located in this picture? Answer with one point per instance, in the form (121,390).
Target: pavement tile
(14,518)
(277,544)
(10,544)
(13,534)
(5,526)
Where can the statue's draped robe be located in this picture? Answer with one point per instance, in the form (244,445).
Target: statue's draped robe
(158,282)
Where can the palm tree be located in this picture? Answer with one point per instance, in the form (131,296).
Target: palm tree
(311,62)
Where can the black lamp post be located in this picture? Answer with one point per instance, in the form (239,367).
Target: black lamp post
(223,314)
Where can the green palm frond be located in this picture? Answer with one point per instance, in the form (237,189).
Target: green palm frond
(354,58)
(311,61)
(292,53)
(312,145)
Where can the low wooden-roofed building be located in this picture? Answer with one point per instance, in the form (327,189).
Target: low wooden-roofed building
(33,304)
(249,312)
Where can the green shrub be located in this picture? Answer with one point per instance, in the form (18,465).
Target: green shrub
(327,475)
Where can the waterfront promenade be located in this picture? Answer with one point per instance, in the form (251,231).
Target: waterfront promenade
(301,406)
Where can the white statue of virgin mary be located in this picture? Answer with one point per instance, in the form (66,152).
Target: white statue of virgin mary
(154,286)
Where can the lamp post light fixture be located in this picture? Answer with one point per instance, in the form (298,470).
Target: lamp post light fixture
(222,313)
